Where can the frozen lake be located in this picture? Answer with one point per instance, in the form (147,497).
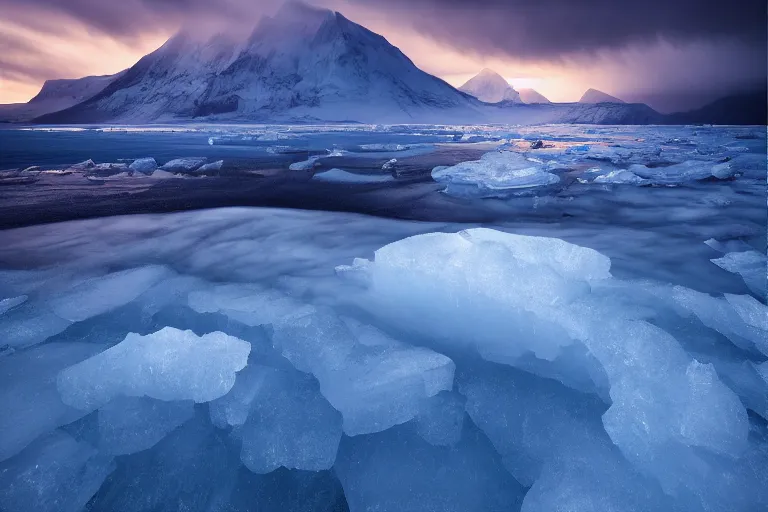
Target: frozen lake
(392,318)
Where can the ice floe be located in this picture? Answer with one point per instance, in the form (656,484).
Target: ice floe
(496,174)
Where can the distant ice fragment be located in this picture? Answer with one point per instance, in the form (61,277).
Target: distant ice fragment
(305,165)
(143,165)
(167,365)
(106,169)
(621,177)
(54,474)
(132,424)
(183,165)
(160,174)
(496,174)
(340,176)
(211,167)
(102,294)
(83,166)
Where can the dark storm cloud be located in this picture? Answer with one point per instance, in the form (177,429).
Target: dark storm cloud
(123,19)
(549,29)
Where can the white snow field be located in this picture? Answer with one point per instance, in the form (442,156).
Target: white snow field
(595,339)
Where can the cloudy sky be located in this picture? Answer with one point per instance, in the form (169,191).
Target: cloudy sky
(672,54)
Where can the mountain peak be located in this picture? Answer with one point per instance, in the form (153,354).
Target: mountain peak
(297,10)
(532,96)
(490,87)
(489,73)
(595,96)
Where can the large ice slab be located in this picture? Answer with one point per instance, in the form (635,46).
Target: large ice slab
(373,380)
(690,170)
(496,174)
(342,176)
(289,423)
(398,471)
(54,474)
(31,404)
(132,424)
(185,471)
(167,365)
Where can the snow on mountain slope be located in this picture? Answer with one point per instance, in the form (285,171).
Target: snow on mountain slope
(595,96)
(490,87)
(56,95)
(304,64)
(532,96)
(608,113)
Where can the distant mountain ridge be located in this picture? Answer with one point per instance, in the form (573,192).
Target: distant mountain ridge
(56,95)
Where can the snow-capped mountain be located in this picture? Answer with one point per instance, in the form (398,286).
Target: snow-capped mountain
(308,65)
(532,96)
(490,87)
(303,64)
(56,95)
(595,96)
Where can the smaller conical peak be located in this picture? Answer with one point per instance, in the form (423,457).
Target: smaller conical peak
(488,73)
(595,96)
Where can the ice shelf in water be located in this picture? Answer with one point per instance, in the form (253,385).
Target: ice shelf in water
(496,174)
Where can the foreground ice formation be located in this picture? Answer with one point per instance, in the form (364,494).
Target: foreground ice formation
(496,174)
(262,359)
(55,474)
(667,411)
